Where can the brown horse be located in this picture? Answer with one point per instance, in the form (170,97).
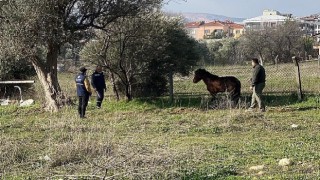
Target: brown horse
(216,84)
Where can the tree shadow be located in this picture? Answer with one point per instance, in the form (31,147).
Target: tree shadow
(272,99)
(204,101)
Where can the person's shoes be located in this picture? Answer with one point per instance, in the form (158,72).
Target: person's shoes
(98,107)
(250,109)
(83,117)
(263,110)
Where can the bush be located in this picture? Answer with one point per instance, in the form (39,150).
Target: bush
(11,68)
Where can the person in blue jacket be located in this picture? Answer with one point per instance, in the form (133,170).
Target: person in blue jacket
(99,85)
(83,91)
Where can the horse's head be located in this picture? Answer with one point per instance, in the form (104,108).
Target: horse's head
(198,75)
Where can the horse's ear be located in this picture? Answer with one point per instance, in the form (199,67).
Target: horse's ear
(200,70)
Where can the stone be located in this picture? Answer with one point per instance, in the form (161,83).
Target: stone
(28,102)
(256,168)
(285,162)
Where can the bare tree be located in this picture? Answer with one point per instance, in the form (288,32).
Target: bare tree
(287,41)
(255,43)
(282,42)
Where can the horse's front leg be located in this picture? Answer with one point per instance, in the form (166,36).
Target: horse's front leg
(213,102)
(213,97)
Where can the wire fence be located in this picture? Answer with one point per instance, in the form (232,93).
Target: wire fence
(281,79)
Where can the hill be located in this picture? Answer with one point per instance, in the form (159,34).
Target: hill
(209,17)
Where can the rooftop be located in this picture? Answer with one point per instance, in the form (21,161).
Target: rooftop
(269,18)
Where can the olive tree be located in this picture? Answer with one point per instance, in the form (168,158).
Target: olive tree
(35,30)
(223,51)
(142,51)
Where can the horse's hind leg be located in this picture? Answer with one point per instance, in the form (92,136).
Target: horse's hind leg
(235,97)
(232,99)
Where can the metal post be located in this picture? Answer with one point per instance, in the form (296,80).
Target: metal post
(298,77)
(319,59)
(17,82)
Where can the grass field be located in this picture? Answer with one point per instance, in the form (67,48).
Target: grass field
(153,139)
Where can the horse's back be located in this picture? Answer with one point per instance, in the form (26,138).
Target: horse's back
(232,79)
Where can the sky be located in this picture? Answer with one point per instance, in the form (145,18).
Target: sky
(243,8)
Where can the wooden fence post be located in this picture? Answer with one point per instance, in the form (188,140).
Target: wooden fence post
(298,77)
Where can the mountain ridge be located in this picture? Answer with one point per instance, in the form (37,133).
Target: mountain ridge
(191,17)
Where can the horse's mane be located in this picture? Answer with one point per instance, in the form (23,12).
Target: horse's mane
(207,74)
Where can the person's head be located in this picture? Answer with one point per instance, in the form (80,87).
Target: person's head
(83,70)
(254,61)
(99,68)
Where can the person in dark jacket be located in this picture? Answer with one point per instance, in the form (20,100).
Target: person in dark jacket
(257,84)
(83,91)
(99,85)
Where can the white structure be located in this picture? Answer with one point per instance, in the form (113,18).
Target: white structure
(269,19)
(317,31)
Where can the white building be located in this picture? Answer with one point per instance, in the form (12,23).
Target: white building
(311,25)
(269,19)
(317,31)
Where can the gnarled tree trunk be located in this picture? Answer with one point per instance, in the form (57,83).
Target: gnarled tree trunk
(47,74)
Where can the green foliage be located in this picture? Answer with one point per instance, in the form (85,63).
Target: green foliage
(181,54)
(224,51)
(142,51)
(308,45)
(154,85)
(11,69)
(206,58)
(217,34)
(33,25)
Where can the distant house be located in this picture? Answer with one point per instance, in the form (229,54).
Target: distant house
(317,31)
(310,25)
(193,29)
(235,30)
(269,19)
(214,29)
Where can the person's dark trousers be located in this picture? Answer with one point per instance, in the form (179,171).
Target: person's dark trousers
(100,96)
(83,103)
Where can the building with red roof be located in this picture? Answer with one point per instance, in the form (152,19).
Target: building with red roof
(214,29)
